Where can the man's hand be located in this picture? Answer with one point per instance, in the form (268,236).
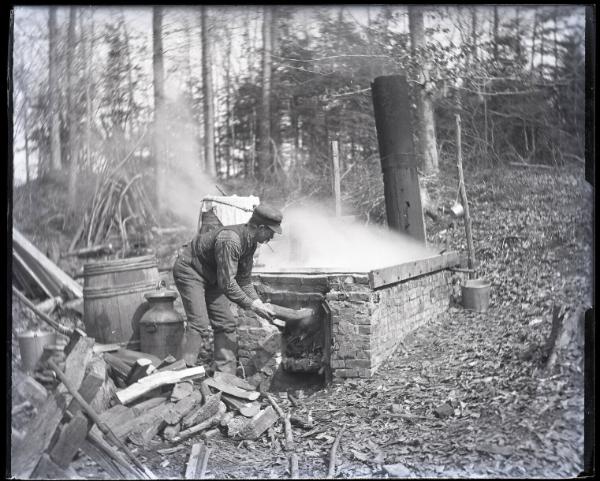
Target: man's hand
(262,309)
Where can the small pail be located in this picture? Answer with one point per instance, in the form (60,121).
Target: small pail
(457,209)
(476,295)
(31,346)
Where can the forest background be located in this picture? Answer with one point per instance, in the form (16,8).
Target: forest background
(126,117)
(175,101)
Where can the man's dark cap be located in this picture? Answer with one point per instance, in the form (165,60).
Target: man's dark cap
(267,215)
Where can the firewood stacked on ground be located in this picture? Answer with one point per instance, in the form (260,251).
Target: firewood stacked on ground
(121,207)
(144,402)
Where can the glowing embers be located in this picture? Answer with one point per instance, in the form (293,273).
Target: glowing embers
(303,345)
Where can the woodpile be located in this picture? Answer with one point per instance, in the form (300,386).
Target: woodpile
(121,209)
(109,401)
(37,276)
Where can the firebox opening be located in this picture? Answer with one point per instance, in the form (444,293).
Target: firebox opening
(305,346)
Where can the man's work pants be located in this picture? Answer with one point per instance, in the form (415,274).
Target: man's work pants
(205,304)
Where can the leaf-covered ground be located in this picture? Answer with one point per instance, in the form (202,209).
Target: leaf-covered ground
(508,417)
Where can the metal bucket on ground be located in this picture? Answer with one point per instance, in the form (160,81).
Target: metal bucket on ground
(476,295)
(31,346)
(161,327)
(113,301)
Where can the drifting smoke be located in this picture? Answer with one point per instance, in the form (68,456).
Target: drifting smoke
(311,240)
(183,184)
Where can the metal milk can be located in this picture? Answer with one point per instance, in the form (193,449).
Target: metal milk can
(161,326)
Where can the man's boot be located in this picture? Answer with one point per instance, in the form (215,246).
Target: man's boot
(225,352)
(191,343)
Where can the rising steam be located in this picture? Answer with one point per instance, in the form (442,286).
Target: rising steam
(312,241)
(183,184)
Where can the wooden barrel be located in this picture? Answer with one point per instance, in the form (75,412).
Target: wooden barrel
(113,298)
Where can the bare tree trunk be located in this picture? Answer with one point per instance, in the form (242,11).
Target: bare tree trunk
(159,99)
(53,86)
(71,101)
(555,18)
(485,120)
(474,52)
(533,38)
(264,134)
(131,88)
(425,114)
(26,135)
(495,33)
(542,50)
(518,30)
(471,263)
(87,46)
(274,127)
(228,113)
(187,65)
(208,101)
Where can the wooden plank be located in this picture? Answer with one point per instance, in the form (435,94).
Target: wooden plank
(294,471)
(408,270)
(151,403)
(91,384)
(123,429)
(41,429)
(49,305)
(102,460)
(75,305)
(73,287)
(103,398)
(247,409)
(234,380)
(175,366)
(210,422)
(28,388)
(181,390)
(114,417)
(148,425)
(259,424)
(50,290)
(194,464)
(169,413)
(158,379)
(129,356)
(120,368)
(109,453)
(290,274)
(100,348)
(166,362)
(132,420)
(209,409)
(48,469)
(177,411)
(33,267)
(69,441)
(232,390)
(141,368)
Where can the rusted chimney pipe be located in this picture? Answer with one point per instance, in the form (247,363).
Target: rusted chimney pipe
(398,160)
